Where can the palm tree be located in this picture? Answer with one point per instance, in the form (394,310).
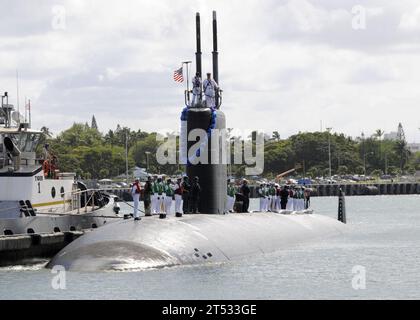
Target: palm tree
(401,149)
(276,135)
(378,134)
(46,131)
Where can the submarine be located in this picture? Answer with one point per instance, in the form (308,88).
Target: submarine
(207,237)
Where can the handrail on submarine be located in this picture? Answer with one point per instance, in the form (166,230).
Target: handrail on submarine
(187,98)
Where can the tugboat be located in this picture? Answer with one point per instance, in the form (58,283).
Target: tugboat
(35,197)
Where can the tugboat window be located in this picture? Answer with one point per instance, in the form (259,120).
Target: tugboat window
(62,192)
(53,192)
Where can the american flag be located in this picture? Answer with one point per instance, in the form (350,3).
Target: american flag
(178,75)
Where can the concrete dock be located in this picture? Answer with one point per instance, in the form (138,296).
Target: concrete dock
(19,249)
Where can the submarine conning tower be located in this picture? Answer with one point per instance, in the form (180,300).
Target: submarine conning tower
(212,175)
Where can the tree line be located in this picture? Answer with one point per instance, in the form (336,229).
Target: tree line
(94,155)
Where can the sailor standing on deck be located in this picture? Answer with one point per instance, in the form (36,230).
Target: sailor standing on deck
(210,87)
(289,205)
(284,195)
(148,193)
(261,195)
(186,187)
(301,197)
(265,193)
(153,197)
(268,197)
(245,191)
(277,197)
(178,196)
(194,200)
(159,195)
(169,193)
(230,200)
(307,193)
(272,197)
(197,89)
(135,192)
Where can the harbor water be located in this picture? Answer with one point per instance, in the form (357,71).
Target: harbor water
(378,257)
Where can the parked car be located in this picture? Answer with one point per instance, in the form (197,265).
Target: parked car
(386,177)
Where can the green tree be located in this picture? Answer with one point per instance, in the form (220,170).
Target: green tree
(94,124)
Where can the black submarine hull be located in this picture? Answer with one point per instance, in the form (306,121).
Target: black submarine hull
(192,239)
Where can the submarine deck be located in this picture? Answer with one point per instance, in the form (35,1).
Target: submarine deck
(191,239)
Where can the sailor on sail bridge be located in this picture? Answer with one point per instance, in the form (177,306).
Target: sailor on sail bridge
(197,89)
(210,87)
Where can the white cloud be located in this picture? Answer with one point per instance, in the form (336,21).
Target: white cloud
(284,65)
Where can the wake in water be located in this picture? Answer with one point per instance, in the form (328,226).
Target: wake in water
(29,265)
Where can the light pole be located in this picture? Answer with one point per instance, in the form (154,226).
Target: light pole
(177,153)
(329,151)
(126,157)
(364,154)
(231,141)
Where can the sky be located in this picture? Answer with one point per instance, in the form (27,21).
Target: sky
(284,66)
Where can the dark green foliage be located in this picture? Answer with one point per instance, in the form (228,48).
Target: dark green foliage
(89,153)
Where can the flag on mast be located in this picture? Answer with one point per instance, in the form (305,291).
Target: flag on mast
(178,77)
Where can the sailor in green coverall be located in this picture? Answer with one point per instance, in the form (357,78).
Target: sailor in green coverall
(271,195)
(158,192)
(169,190)
(230,200)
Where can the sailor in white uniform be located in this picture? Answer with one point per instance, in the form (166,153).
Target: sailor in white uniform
(261,195)
(289,205)
(178,196)
(210,87)
(301,199)
(267,197)
(197,89)
(277,202)
(135,192)
(169,193)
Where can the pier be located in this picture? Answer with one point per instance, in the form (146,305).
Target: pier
(19,249)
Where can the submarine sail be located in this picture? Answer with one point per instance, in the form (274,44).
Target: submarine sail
(212,175)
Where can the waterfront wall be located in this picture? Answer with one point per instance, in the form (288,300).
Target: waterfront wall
(359,189)
(366,189)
